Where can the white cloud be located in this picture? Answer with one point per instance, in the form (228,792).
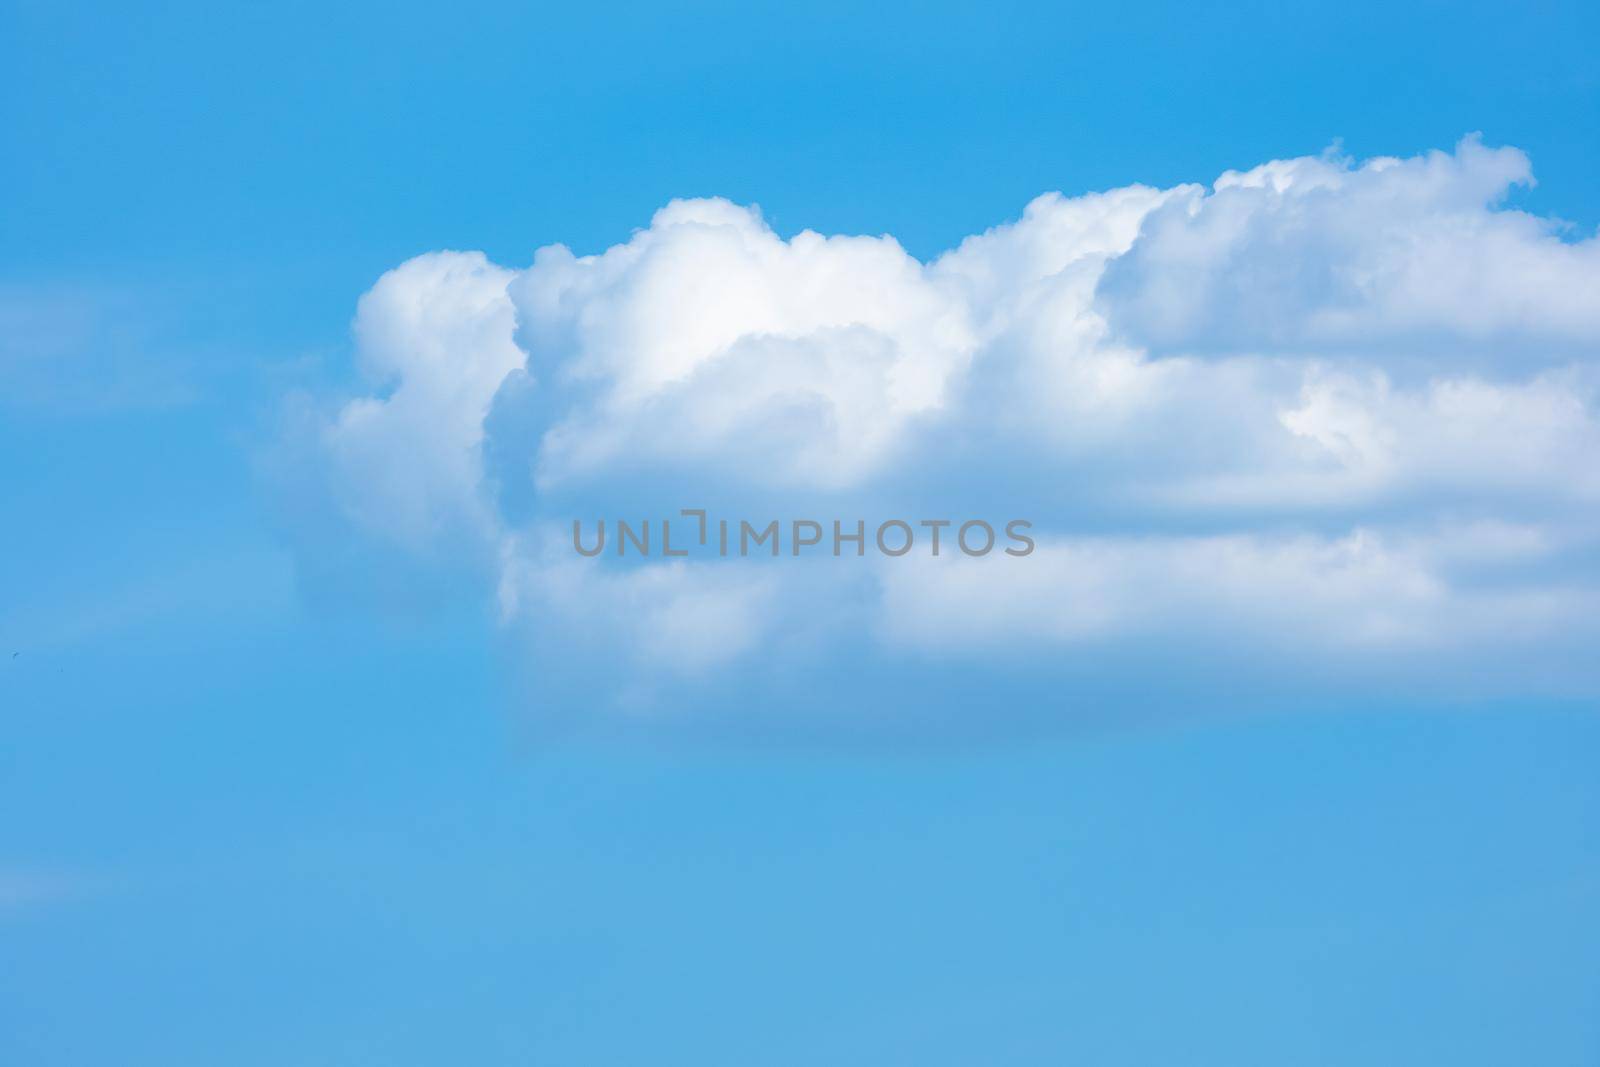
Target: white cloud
(1319,408)
(435,333)
(1316,255)
(707,329)
(394,480)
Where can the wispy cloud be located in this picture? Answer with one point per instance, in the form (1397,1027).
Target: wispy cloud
(88,347)
(26,888)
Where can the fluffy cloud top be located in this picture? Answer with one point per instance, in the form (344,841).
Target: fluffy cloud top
(1320,412)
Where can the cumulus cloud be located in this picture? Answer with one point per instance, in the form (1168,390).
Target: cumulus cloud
(435,335)
(1315,255)
(707,328)
(1320,408)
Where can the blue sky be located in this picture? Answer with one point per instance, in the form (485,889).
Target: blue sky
(286,782)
